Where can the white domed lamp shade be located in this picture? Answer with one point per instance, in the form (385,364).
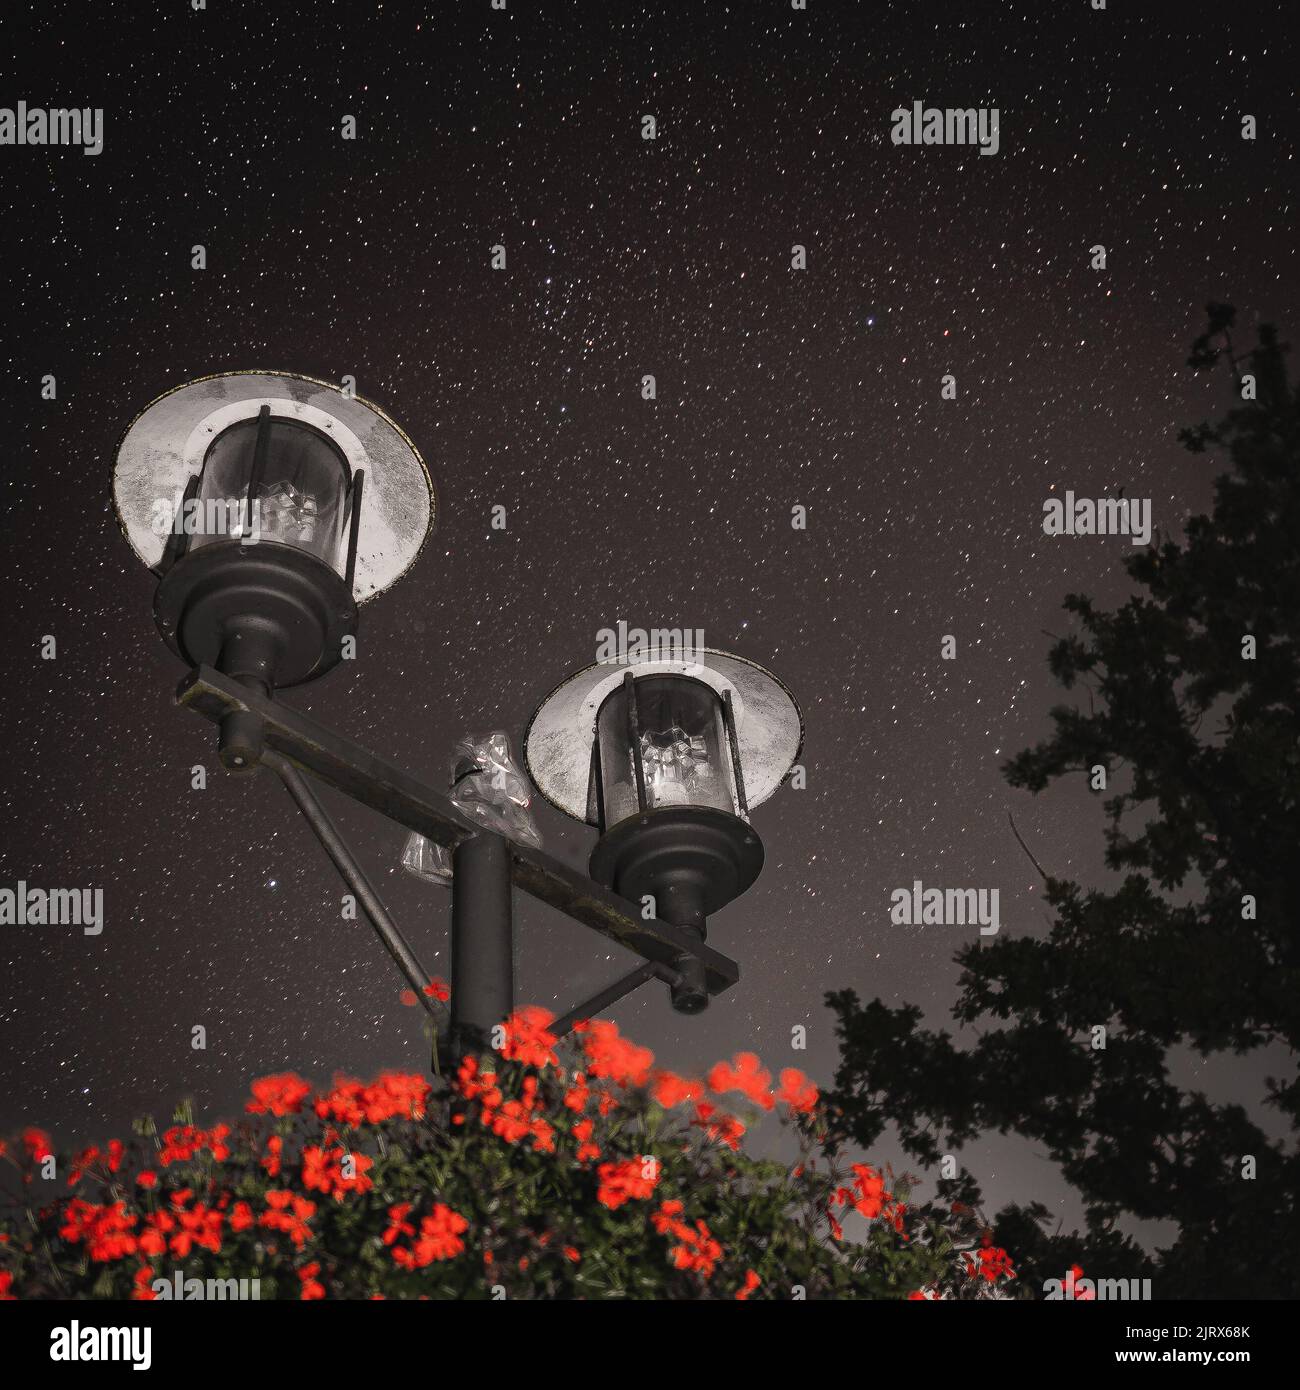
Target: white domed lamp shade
(666,758)
(270,506)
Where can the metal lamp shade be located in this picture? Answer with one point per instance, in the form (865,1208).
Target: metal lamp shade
(167,448)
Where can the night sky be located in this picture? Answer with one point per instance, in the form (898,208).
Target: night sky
(776,388)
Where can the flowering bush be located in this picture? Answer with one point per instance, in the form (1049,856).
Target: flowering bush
(535,1172)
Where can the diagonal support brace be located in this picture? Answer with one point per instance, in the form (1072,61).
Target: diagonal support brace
(354,876)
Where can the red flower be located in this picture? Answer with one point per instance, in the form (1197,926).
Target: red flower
(575,1098)
(147,1178)
(438,989)
(79,1165)
(625,1181)
(797,1091)
(106,1231)
(746,1075)
(439,1239)
(288,1213)
(200,1226)
(157,1226)
(37,1144)
(392,1095)
(613,1057)
(241,1216)
(582,1132)
(994,1262)
(184,1142)
(1071,1280)
(143,1291)
(724,1127)
(752,1281)
(274,1153)
(697,1250)
(665,1219)
(527,1039)
(669,1089)
(282,1094)
(311,1287)
(398,1225)
(324,1171)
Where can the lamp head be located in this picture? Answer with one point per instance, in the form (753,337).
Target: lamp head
(270,506)
(666,757)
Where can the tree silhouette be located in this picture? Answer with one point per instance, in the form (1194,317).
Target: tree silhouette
(1191,708)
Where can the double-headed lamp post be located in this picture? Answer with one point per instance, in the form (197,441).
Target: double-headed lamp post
(270,507)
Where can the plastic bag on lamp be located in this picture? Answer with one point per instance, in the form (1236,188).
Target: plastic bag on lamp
(488,786)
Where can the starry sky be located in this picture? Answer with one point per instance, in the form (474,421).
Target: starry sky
(522,388)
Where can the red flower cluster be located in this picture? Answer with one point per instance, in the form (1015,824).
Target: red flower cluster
(511,1120)
(392,1095)
(510,1105)
(669,1089)
(992,1263)
(106,1231)
(326,1171)
(718,1125)
(278,1095)
(867,1195)
(88,1158)
(435,989)
(201,1226)
(274,1156)
(613,1057)
(869,1198)
(746,1075)
(311,1286)
(439,1236)
(797,1091)
(695,1249)
(181,1143)
(288,1212)
(626,1180)
(37,1144)
(582,1132)
(527,1039)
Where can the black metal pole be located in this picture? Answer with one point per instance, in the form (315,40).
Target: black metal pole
(482,941)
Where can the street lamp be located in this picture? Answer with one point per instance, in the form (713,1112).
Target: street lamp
(665,757)
(269,505)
